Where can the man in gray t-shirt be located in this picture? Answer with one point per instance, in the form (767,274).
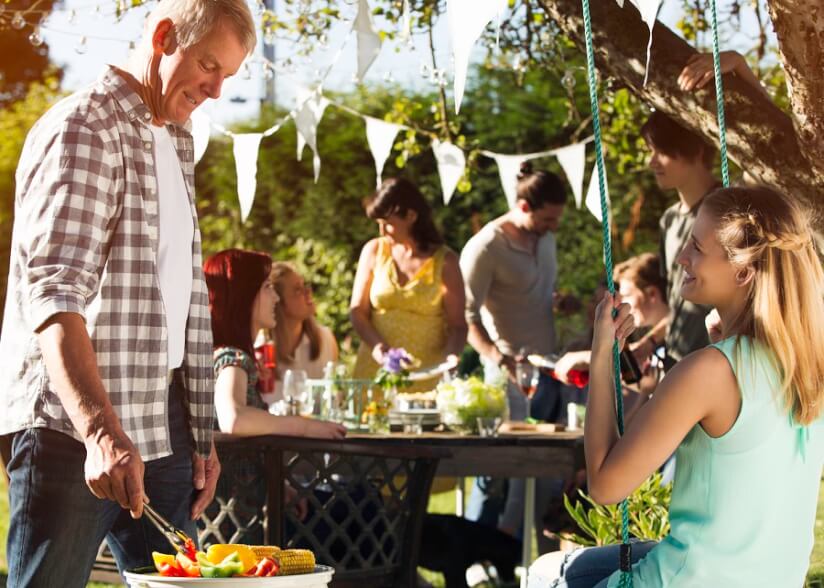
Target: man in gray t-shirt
(681,161)
(509,269)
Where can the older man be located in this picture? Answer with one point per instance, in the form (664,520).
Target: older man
(107,379)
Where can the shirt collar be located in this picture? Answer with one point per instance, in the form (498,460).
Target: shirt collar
(131,102)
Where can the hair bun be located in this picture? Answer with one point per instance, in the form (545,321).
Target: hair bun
(525,170)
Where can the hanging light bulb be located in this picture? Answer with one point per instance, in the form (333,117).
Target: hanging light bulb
(323,41)
(568,80)
(424,70)
(268,74)
(247,72)
(18,22)
(131,45)
(269,36)
(81,47)
(72,16)
(35,38)
(260,8)
(388,77)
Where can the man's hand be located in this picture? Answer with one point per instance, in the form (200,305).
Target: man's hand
(205,474)
(114,469)
(572,360)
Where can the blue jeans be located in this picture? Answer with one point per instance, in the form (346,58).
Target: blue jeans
(57,525)
(586,568)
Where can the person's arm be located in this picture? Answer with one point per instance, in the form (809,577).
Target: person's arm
(235,417)
(477,270)
(454,303)
(616,466)
(67,208)
(700,71)
(114,468)
(360,308)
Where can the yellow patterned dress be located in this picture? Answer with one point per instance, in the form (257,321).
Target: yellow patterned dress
(409,316)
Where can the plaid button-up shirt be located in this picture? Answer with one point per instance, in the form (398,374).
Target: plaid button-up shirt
(85,241)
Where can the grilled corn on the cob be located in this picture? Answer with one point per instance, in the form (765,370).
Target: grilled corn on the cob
(295,561)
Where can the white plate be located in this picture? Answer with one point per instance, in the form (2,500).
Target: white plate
(320,578)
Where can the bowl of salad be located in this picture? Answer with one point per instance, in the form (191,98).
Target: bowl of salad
(462,401)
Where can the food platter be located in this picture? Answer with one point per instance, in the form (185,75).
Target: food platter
(320,578)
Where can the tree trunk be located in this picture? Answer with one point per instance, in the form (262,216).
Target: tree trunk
(799,26)
(761,138)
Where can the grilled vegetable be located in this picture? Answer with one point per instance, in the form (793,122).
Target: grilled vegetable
(295,561)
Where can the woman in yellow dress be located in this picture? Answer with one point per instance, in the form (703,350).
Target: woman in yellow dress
(408,289)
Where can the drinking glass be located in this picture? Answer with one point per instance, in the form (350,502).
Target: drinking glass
(294,390)
(527,377)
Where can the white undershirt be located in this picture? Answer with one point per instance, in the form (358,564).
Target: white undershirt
(174,249)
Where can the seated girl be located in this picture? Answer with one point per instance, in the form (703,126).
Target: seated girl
(744,413)
(242,301)
(301,343)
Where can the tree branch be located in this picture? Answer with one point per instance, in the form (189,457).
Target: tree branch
(760,137)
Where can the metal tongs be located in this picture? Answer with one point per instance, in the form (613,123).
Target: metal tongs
(179,540)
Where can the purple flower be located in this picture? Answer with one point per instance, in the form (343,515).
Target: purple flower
(396,359)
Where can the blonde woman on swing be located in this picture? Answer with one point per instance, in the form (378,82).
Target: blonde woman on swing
(743,414)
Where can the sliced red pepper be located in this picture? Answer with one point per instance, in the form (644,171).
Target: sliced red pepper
(191,550)
(171,570)
(190,568)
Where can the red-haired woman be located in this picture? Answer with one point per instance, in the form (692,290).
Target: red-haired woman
(242,301)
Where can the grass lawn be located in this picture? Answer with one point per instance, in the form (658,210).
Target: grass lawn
(445,503)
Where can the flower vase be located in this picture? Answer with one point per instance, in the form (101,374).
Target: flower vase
(378,424)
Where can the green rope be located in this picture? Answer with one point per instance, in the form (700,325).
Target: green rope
(719,97)
(626,576)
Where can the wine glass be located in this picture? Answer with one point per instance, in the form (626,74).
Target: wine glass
(294,390)
(527,377)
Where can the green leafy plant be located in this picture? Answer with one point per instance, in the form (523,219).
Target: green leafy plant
(601,525)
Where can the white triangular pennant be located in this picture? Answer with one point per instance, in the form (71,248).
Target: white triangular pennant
(311,105)
(649,12)
(572,159)
(467,20)
(245,148)
(381,136)
(200,133)
(451,164)
(509,166)
(593,199)
(369,42)
(406,22)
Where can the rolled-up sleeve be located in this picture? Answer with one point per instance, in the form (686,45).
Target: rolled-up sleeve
(67,201)
(477,269)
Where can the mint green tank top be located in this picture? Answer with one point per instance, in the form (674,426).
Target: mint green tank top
(743,504)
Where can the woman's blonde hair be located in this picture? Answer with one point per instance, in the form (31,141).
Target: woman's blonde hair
(280,271)
(194,19)
(764,230)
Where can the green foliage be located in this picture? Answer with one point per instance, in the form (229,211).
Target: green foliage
(601,525)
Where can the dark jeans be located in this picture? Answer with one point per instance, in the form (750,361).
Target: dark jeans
(57,525)
(487,498)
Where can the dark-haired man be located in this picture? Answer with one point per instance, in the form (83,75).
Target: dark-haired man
(681,161)
(509,269)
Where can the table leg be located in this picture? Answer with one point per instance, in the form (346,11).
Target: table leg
(529,527)
(460,499)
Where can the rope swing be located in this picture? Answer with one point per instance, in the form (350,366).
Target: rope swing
(626,548)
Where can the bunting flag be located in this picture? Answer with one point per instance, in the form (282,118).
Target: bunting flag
(406,22)
(467,20)
(573,161)
(245,148)
(451,164)
(200,133)
(369,42)
(311,105)
(509,166)
(593,199)
(649,12)
(381,136)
